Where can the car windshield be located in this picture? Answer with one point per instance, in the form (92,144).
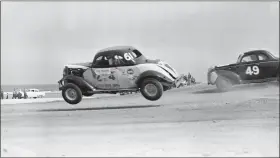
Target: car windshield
(272,55)
(138,57)
(239,58)
(136,53)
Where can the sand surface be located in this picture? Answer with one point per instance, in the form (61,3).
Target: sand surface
(191,121)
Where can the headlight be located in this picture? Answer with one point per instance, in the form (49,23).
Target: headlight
(213,77)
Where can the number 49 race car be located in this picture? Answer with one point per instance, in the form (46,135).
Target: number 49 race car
(116,70)
(251,67)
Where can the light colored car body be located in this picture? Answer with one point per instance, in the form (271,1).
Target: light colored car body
(125,76)
(118,69)
(34,93)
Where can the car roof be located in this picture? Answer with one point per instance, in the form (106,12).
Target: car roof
(116,48)
(254,51)
(109,50)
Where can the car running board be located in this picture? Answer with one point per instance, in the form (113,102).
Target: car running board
(96,90)
(111,90)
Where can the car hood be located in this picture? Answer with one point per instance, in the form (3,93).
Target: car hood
(225,66)
(84,65)
(222,67)
(164,65)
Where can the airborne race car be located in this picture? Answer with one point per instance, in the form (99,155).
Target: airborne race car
(115,70)
(251,67)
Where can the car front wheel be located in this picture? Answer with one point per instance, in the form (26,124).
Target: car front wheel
(72,93)
(151,89)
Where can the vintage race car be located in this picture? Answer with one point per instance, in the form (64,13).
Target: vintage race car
(115,70)
(251,67)
(34,93)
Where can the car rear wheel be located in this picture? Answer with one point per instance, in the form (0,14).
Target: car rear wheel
(223,84)
(72,93)
(151,89)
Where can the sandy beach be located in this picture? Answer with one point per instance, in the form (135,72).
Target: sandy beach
(189,121)
(50,97)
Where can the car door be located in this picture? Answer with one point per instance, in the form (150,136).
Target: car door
(248,68)
(36,91)
(268,67)
(102,75)
(126,70)
(30,93)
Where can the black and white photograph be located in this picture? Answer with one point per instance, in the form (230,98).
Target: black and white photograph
(140,78)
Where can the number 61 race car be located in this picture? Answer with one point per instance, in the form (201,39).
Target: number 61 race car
(116,70)
(251,67)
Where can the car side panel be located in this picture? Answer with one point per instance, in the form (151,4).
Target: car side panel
(102,78)
(31,94)
(268,69)
(242,71)
(127,76)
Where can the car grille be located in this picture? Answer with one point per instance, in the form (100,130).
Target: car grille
(168,73)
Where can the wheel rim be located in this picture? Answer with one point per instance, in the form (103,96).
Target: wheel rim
(151,89)
(71,94)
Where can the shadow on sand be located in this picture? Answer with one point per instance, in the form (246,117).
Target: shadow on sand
(100,108)
(207,91)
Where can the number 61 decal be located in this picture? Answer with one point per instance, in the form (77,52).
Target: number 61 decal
(254,70)
(128,56)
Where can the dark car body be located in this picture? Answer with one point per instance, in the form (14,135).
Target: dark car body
(251,67)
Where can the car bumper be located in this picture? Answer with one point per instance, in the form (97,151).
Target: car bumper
(178,81)
(60,84)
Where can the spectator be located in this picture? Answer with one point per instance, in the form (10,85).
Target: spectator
(7,96)
(189,79)
(25,94)
(2,94)
(14,94)
(19,94)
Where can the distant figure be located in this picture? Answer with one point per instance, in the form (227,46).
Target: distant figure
(193,80)
(7,96)
(189,79)
(25,94)
(2,94)
(19,94)
(14,94)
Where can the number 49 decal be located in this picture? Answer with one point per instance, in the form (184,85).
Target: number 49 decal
(254,70)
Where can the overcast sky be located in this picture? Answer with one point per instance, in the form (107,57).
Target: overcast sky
(39,38)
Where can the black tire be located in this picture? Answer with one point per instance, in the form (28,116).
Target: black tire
(158,86)
(76,93)
(223,84)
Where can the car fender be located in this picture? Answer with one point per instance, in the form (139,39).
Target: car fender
(153,74)
(232,76)
(154,67)
(31,94)
(79,81)
(212,76)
